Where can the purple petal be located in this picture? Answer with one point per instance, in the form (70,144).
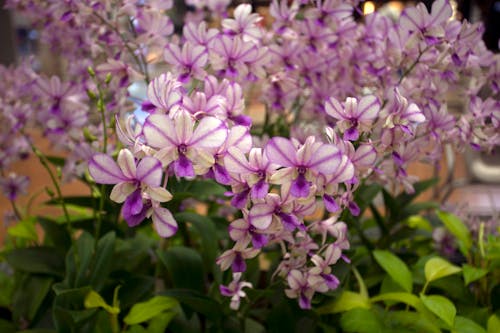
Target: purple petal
(259,240)
(300,187)
(351,134)
(304,302)
(133,211)
(331,280)
(183,167)
(239,264)
(149,171)
(225,291)
(147,106)
(104,170)
(240,199)
(330,204)
(260,189)
(242,120)
(221,175)
(290,221)
(133,203)
(354,208)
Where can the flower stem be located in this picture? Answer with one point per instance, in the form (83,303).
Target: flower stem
(45,163)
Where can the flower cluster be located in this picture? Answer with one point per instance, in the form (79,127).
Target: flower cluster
(357,103)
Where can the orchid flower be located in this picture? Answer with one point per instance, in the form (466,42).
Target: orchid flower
(354,117)
(134,182)
(235,290)
(244,24)
(187,145)
(188,61)
(302,163)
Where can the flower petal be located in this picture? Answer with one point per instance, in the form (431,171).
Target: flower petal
(159,131)
(281,151)
(261,216)
(210,133)
(104,170)
(326,159)
(149,171)
(164,222)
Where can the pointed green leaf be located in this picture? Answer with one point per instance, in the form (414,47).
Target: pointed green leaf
(441,307)
(472,273)
(348,300)
(436,268)
(144,311)
(360,321)
(466,325)
(405,298)
(94,300)
(395,267)
(493,324)
(458,229)
(39,259)
(185,267)
(24,229)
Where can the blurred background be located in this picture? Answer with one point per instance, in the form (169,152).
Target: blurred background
(476,179)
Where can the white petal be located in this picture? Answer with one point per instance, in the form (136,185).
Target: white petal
(126,162)
(164,222)
(210,133)
(159,131)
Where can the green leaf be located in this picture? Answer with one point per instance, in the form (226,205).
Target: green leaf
(407,321)
(472,273)
(493,324)
(102,260)
(365,195)
(360,321)
(208,235)
(185,267)
(436,268)
(466,325)
(7,326)
(94,300)
(56,234)
(457,229)
(419,222)
(7,289)
(405,298)
(441,307)
(197,301)
(142,312)
(395,267)
(24,229)
(39,259)
(160,323)
(29,296)
(347,301)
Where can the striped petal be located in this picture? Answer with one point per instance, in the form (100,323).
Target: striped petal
(326,159)
(164,222)
(183,123)
(281,151)
(159,131)
(149,171)
(126,162)
(368,108)
(211,133)
(104,170)
(261,216)
(334,109)
(236,162)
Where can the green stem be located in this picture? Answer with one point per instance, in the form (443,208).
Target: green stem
(102,110)
(43,160)
(142,67)
(412,66)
